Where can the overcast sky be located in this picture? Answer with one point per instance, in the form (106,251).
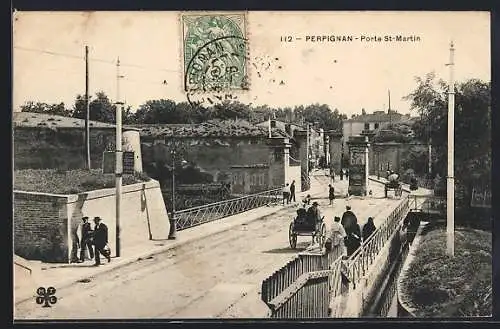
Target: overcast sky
(49,56)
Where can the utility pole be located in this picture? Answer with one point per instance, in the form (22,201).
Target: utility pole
(450,180)
(390,119)
(118,157)
(87,112)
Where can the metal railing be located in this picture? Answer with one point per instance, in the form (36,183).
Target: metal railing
(202,214)
(303,287)
(359,262)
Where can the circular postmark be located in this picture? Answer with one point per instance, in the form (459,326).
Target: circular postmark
(215,70)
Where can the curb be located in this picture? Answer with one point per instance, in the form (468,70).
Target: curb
(176,244)
(416,243)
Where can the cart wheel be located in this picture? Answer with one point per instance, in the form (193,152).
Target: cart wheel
(322,235)
(292,237)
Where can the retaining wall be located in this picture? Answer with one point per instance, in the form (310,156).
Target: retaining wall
(45,224)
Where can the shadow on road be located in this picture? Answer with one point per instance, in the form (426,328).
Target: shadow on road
(288,250)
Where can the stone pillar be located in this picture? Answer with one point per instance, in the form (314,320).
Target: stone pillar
(335,150)
(280,161)
(358,166)
(300,137)
(131,142)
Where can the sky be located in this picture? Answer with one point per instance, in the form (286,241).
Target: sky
(49,48)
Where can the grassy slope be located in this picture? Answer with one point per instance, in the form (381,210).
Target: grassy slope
(440,286)
(68,182)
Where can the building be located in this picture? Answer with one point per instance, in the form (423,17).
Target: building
(369,124)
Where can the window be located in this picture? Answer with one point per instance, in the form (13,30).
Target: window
(367,126)
(376,125)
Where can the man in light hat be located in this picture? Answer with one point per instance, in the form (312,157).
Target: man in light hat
(100,240)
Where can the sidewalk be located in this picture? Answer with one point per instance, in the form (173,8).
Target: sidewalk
(64,275)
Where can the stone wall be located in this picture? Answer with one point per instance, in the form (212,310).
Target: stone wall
(61,148)
(45,224)
(213,156)
(41,226)
(381,154)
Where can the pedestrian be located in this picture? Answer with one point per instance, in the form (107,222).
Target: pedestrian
(292,191)
(368,228)
(349,220)
(341,174)
(336,235)
(306,200)
(85,238)
(347,174)
(353,239)
(286,194)
(100,241)
(331,193)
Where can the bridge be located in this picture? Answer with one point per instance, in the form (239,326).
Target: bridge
(245,271)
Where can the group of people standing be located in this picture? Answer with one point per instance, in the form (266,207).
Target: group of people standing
(289,193)
(348,231)
(94,240)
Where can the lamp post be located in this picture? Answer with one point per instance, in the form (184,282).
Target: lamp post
(450,180)
(173,229)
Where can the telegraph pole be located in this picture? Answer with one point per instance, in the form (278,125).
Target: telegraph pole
(118,156)
(87,106)
(389,93)
(450,180)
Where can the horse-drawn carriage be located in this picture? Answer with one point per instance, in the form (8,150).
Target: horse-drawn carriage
(307,225)
(394,186)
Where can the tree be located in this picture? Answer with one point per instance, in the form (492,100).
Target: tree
(472,127)
(322,115)
(100,109)
(54,109)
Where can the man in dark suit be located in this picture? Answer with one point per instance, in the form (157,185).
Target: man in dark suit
(100,240)
(85,238)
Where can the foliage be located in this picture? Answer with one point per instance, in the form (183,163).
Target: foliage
(55,109)
(165,111)
(68,182)
(441,286)
(472,149)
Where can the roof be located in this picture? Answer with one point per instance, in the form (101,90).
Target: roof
(30,119)
(377,117)
(228,128)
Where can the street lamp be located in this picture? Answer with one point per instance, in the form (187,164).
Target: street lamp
(173,228)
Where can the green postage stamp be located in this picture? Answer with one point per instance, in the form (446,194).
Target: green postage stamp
(214,52)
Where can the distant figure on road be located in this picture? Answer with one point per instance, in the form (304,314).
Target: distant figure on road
(100,241)
(292,191)
(331,193)
(336,235)
(306,201)
(368,228)
(393,178)
(413,183)
(347,174)
(341,174)
(286,194)
(84,233)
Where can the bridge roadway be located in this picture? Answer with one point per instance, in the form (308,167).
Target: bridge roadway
(219,276)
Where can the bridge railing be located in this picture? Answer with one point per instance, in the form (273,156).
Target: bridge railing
(202,214)
(303,287)
(359,262)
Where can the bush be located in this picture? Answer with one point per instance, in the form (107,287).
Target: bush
(441,286)
(69,182)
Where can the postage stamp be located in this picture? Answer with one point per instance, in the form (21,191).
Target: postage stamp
(252,165)
(214,52)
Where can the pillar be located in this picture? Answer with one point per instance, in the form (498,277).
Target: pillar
(335,150)
(358,166)
(300,137)
(131,142)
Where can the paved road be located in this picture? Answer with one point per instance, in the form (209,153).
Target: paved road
(219,276)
